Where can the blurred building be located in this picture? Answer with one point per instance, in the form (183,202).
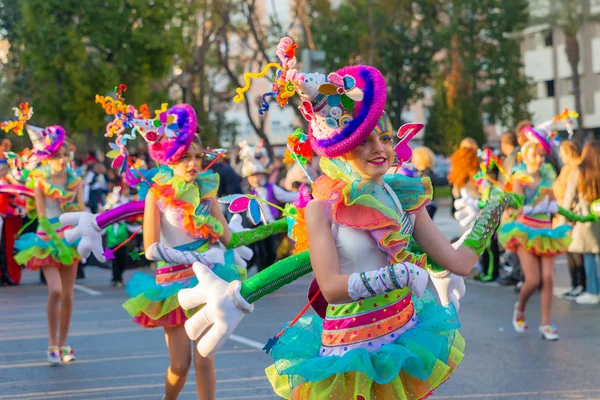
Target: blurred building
(545,61)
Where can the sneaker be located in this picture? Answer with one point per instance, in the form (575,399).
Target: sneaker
(549,332)
(571,294)
(518,320)
(67,354)
(53,354)
(117,284)
(587,298)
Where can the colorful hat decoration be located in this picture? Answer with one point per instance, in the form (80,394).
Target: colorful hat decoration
(45,141)
(169,135)
(342,108)
(545,135)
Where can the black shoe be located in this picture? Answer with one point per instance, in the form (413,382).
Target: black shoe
(507,281)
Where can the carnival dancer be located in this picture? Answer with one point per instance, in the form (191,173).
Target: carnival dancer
(384,336)
(182,223)
(530,233)
(57,190)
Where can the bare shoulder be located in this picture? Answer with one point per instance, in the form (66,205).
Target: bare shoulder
(314,213)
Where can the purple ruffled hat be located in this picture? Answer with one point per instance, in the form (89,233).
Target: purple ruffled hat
(342,108)
(46,141)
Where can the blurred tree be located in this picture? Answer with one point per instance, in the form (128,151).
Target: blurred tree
(63,52)
(485,34)
(398,37)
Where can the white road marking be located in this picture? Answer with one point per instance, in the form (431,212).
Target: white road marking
(87,290)
(248,342)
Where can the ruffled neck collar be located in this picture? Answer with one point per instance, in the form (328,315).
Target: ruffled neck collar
(365,205)
(66,194)
(191,201)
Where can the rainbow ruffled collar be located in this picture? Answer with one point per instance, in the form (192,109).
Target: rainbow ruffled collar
(66,195)
(361,205)
(545,187)
(191,200)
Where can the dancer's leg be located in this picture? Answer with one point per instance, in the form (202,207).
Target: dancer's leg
(67,277)
(54,294)
(206,380)
(180,355)
(530,265)
(547,288)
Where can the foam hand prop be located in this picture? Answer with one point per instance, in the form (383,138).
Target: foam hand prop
(223,309)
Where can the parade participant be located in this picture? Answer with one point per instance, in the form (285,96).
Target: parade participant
(530,234)
(57,190)
(182,223)
(384,336)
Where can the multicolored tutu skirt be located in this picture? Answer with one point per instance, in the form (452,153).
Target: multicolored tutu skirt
(153,301)
(536,235)
(36,250)
(389,347)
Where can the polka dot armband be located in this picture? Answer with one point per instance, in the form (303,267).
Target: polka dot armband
(392,277)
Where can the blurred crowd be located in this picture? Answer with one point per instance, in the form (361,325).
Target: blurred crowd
(576,186)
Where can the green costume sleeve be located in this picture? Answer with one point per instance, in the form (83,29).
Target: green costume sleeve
(574,217)
(244,238)
(276,276)
(479,238)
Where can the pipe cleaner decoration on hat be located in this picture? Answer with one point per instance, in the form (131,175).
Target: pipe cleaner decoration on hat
(45,141)
(342,108)
(169,134)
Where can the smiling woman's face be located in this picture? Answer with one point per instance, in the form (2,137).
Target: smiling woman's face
(189,165)
(373,158)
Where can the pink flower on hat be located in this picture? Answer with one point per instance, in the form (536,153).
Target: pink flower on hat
(341,90)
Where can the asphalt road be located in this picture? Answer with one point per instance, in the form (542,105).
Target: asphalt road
(118,360)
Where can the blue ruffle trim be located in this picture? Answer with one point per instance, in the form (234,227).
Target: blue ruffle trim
(415,352)
(29,240)
(145,284)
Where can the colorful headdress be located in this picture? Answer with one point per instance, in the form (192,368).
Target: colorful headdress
(169,135)
(342,108)
(543,133)
(45,141)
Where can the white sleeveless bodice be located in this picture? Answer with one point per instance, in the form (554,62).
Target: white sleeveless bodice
(170,234)
(357,249)
(52,208)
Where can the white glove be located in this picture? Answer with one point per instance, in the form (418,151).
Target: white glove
(243,254)
(362,285)
(545,206)
(87,230)
(450,287)
(159,252)
(467,209)
(223,309)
